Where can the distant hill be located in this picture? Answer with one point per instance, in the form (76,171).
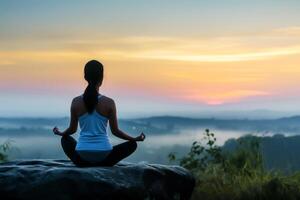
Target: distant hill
(166,124)
(282,125)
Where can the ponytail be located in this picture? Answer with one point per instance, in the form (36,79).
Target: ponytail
(93,74)
(90,97)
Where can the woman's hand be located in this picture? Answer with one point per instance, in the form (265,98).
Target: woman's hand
(56,131)
(140,137)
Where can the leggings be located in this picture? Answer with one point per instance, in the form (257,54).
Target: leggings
(118,153)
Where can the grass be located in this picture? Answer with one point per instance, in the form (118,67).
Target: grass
(235,175)
(4,149)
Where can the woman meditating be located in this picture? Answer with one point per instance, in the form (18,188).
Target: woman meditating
(93,111)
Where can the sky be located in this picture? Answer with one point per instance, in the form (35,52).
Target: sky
(167,57)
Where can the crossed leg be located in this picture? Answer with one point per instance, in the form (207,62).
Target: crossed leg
(118,153)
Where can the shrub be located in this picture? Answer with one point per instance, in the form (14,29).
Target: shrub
(237,174)
(4,149)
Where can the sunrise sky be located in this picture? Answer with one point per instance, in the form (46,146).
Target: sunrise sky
(160,56)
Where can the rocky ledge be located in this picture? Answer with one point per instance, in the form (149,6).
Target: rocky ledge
(61,180)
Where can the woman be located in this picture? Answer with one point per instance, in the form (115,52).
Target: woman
(93,111)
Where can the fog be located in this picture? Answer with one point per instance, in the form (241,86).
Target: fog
(155,148)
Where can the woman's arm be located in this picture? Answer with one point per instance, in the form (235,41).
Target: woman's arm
(113,123)
(73,123)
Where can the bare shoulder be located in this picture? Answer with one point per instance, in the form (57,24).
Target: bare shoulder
(76,101)
(109,104)
(108,101)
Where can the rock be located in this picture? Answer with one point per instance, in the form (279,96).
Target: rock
(61,180)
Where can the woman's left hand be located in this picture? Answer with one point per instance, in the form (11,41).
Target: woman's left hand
(56,131)
(141,137)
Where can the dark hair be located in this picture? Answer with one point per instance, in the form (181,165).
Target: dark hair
(93,74)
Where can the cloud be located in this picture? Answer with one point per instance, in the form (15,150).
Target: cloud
(222,97)
(221,57)
(236,48)
(160,49)
(288,31)
(4,62)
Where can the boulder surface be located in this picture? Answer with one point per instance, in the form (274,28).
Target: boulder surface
(61,180)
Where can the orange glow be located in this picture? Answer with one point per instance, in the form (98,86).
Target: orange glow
(213,71)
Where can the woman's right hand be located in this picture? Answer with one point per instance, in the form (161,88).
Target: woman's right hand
(56,131)
(141,137)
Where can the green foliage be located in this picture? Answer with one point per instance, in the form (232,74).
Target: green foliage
(200,156)
(235,175)
(4,149)
(246,160)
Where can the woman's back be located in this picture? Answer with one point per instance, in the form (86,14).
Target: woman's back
(93,134)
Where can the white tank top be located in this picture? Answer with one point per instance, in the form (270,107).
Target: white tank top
(93,134)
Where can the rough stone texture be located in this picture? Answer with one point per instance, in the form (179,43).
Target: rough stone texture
(60,179)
